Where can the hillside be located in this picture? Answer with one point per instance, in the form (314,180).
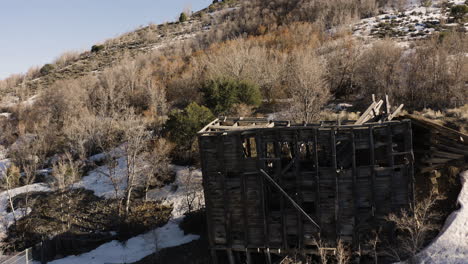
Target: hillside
(99,148)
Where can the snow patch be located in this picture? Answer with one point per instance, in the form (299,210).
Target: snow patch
(451,246)
(99,180)
(7,219)
(416,22)
(6,115)
(169,235)
(133,249)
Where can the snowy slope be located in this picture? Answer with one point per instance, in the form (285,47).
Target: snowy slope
(451,246)
(415,22)
(101,184)
(7,218)
(169,235)
(99,180)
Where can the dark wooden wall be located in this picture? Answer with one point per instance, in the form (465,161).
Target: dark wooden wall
(346,178)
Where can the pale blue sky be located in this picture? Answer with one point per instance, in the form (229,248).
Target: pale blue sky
(34,32)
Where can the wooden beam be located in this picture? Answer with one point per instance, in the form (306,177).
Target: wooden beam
(388,107)
(335,167)
(222,173)
(391,163)
(230,256)
(279,176)
(317,177)
(299,182)
(371,111)
(422,121)
(208,198)
(243,191)
(397,111)
(207,126)
(355,192)
(372,160)
(285,194)
(260,165)
(248,257)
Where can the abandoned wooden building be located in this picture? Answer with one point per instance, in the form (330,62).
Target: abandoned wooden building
(274,187)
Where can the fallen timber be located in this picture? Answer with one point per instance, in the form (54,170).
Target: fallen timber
(274,187)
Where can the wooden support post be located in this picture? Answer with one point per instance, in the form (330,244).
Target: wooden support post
(214,256)
(409,148)
(372,160)
(279,176)
(261,165)
(208,200)
(244,194)
(355,192)
(299,182)
(335,167)
(388,107)
(283,192)
(222,174)
(317,178)
(394,114)
(248,257)
(268,256)
(230,256)
(391,164)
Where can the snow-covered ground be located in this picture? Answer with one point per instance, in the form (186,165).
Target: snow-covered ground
(105,181)
(451,246)
(7,218)
(414,23)
(169,235)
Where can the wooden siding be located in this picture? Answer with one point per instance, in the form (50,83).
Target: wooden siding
(346,178)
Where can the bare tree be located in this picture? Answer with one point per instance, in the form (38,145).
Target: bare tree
(29,154)
(193,192)
(159,161)
(416,224)
(242,60)
(135,137)
(110,171)
(308,88)
(11,180)
(343,253)
(342,58)
(65,172)
(322,250)
(379,69)
(374,242)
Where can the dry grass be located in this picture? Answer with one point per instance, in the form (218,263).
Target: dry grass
(67,58)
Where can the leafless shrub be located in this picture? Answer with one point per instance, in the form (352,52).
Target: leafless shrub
(193,192)
(379,69)
(342,253)
(10,181)
(66,58)
(374,242)
(342,59)
(159,161)
(135,138)
(308,88)
(63,100)
(323,250)
(65,172)
(242,60)
(415,224)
